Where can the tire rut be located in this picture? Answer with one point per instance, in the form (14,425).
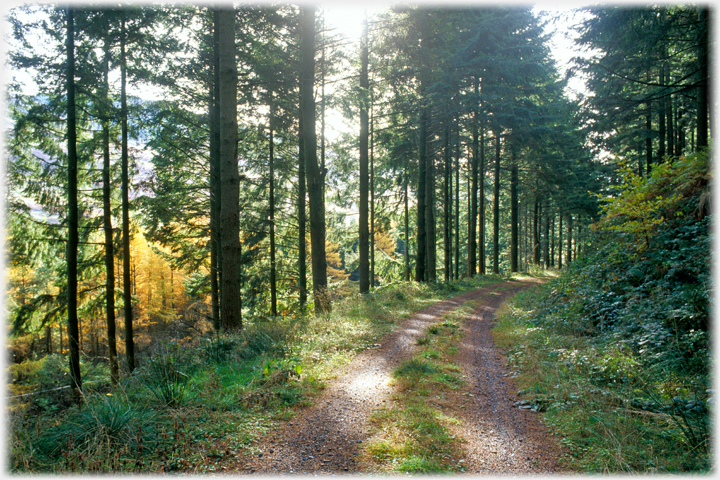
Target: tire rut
(500,439)
(324,438)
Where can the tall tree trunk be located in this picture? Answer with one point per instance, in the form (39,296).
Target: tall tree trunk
(552,240)
(546,245)
(668,114)
(372,201)
(420,260)
(578,240)
(430,225)
(661,121)
(703,94)
(648,138)
(127,290)
(322,106)
(72,215)
(273,266)
(560,241)
(472,225)
(514,227)
(364,234)
(302,218)
(481,202)
(315,177)
(407,226)
(640,154)
(231,306)
(457,203)
(679,129)
(496,208)
(536,232)
(214,128)
(48,340)
(107,224)
(526,256)
(568,256)
(446,205)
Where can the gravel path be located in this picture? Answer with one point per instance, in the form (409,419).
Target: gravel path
(500,438)
(324,438)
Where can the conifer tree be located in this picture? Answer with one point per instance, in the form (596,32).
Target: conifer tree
(229,176)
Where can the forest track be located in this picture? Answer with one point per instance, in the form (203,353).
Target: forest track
(324,438)
(500,438)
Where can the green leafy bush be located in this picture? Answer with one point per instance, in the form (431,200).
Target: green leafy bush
(616,350)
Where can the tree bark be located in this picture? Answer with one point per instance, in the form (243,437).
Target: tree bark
(536,232)
(214,128)
(430,225)
(703,93)
(481,203)
(457,204)
(668,114)
(302,218)
(231,306)
(552,240)
(407,227)
(364,234)
(514,227)
(648,138)
(560,241)
(372,202)
(446,205)
(568,256)
(420,257)
(661,122)
(127,290)
(72,215)
(546,244)
(271,200)
(315,177)
(496,208)
(107,224)
(472,225)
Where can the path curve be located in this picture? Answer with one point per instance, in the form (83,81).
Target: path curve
(324,438)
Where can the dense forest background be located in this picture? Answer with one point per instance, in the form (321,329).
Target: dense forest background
(223,202)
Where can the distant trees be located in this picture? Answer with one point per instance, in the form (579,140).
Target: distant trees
(649,80)
(446,74)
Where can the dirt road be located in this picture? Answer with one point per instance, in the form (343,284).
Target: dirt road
(324,438)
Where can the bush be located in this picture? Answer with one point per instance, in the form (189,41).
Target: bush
(619,344)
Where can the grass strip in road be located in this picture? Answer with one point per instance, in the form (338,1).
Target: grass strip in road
(415,433)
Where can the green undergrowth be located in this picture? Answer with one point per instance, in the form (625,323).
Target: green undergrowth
(413,434)
(615,353)
(195,407)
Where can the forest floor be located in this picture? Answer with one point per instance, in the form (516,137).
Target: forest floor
(499,437)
